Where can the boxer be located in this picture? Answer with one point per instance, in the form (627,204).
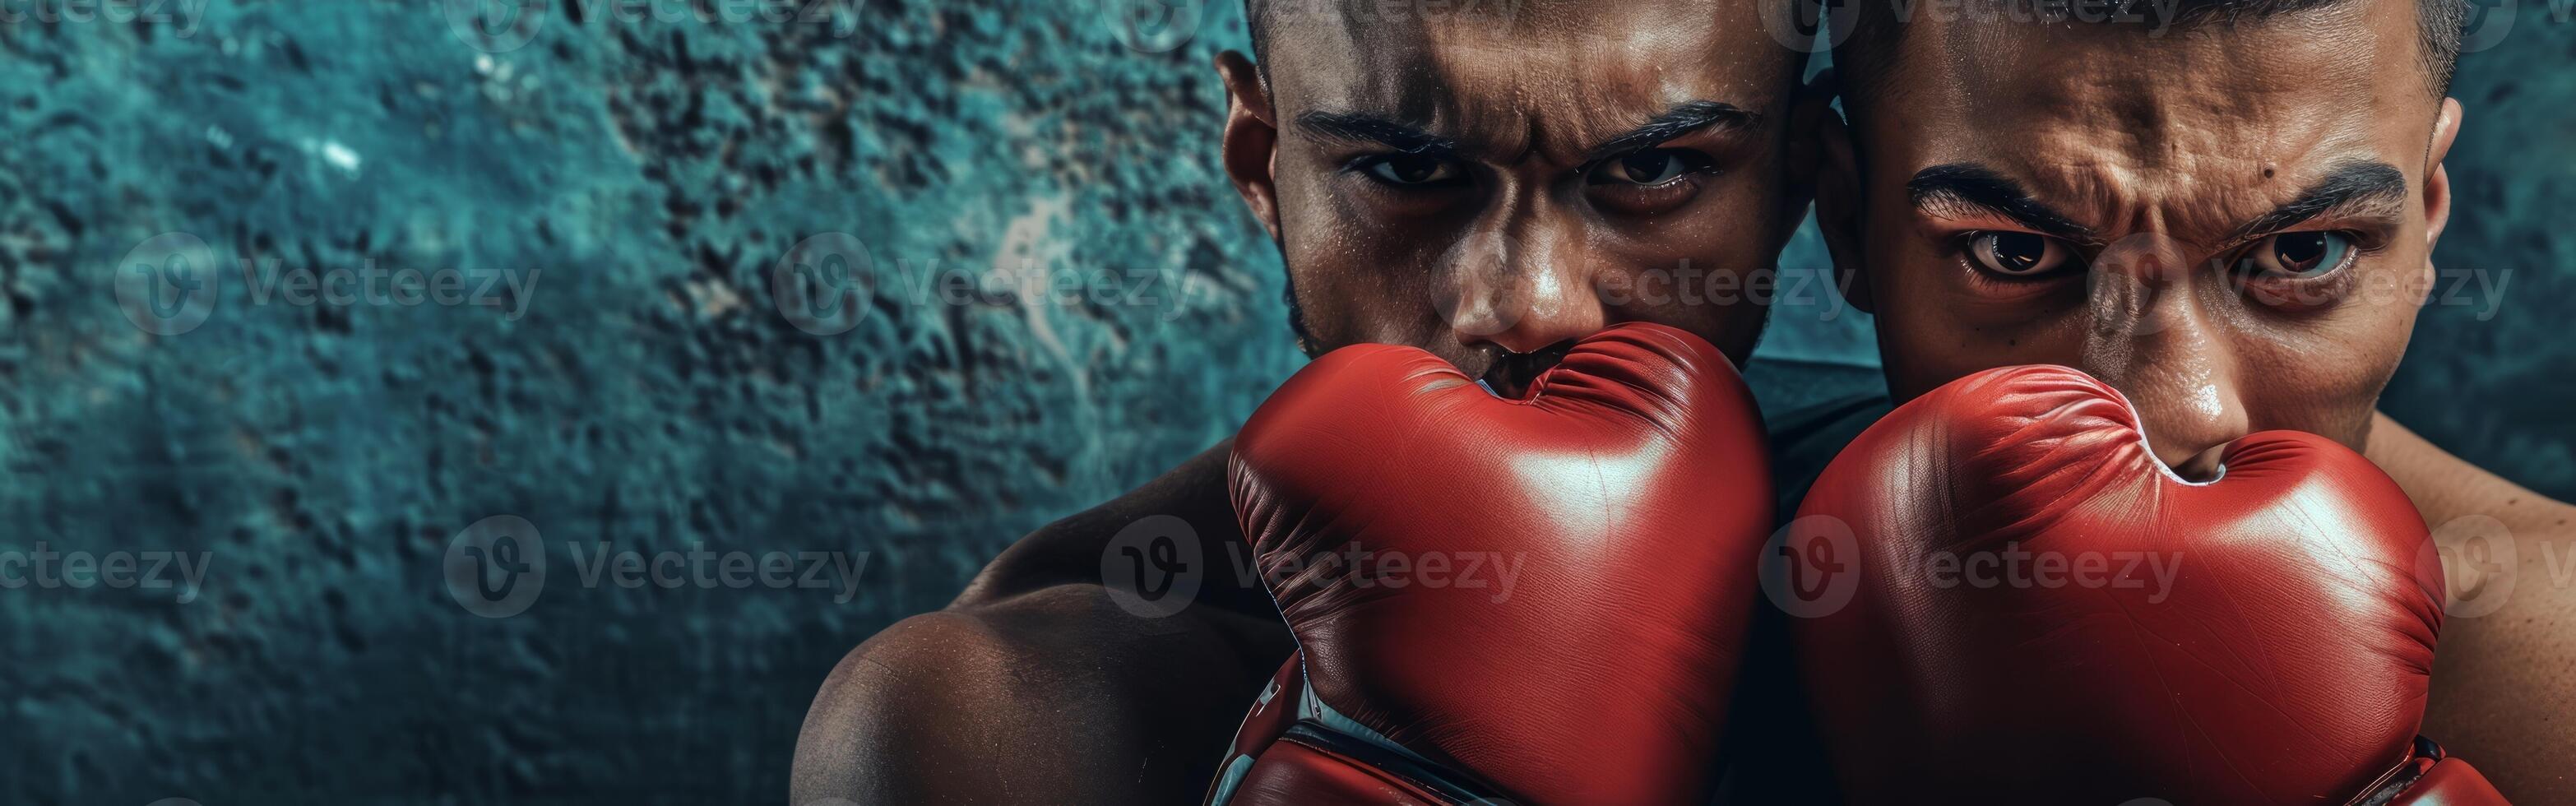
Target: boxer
(1485,181)
(2228,215)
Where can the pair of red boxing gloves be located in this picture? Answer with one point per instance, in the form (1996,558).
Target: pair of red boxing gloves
(2006,598)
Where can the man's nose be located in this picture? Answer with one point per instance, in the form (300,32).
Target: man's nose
(2153,333)
(1522,281)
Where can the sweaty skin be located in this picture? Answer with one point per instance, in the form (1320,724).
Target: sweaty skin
(1036,687)
(1487,182)
(2504,689)
(1429,186)
(2230,223)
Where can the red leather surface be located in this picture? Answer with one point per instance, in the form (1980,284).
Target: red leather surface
(2287,663)
(1292,774)
(2451,782)
(1631,487)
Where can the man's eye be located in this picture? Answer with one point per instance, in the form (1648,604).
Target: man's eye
(2298,255)
(1653,166)
(1409,169)
(2015,254)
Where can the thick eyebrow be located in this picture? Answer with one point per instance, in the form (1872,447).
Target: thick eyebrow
(2359,187)
(1961,184)
(1356,127)
(1683,118)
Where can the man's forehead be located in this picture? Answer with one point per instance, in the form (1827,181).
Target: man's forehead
(2208,123)
(1574,70)
(1938,41)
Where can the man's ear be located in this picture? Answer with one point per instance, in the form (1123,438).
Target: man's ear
(1251,145)
(1839,203)
(2437,187)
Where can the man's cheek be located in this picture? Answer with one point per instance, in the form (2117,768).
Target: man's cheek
(1944,343)
(1342,305)
(1619,289)
(2326,383)
(1923,350)
(1976,334)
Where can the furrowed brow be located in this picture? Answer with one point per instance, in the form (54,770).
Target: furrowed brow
(2358,187)
(1355,127)
(1683,118)
(1947,188)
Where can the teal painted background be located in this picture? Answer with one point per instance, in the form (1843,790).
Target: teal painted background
(649,391)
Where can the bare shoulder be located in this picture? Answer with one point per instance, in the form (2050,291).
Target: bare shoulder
(1042,685)
(1187,506)
(2447,488)
(2491,531)
(2504,679)
(1059,696)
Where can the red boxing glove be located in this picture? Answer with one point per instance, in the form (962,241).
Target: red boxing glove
(1599,540)
(2040,612)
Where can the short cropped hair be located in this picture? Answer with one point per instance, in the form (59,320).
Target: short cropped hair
(1259,16)
(1861,55)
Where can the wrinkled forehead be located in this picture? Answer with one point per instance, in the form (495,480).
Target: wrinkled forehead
(2130,115)
(1519,71)
(2157,104)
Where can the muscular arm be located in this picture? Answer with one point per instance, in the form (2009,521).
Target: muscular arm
(1036,687)
(2504,682)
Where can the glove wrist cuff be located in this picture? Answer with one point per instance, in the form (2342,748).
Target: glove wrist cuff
(1430,777)
(2421,756)
(2430,776)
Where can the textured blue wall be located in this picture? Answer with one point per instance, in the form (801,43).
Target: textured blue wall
(2496,383)
(648,389)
